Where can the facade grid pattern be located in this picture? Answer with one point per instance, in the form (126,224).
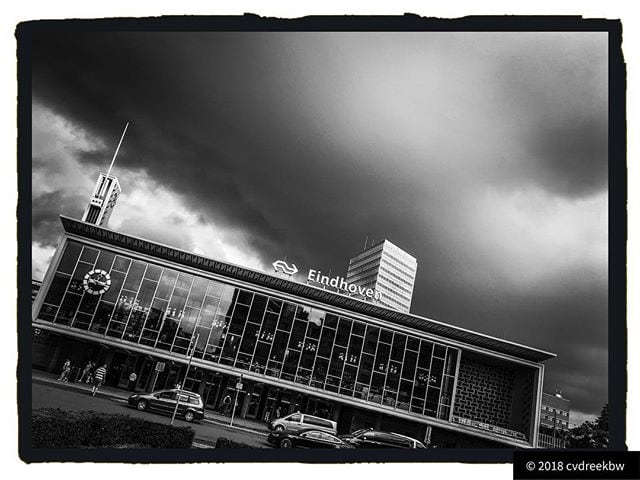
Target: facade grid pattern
(166,309)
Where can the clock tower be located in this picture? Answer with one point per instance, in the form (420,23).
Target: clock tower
(105,194)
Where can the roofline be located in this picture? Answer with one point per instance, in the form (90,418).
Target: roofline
(427,325)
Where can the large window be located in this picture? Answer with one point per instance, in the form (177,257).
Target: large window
(163,308)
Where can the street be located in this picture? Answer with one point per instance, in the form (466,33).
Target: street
(50,397)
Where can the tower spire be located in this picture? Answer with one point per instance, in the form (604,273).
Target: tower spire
(118,148)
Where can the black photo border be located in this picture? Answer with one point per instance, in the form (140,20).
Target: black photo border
(617,196)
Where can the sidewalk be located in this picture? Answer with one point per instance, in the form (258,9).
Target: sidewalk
(118,394)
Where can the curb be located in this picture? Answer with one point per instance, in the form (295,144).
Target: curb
(112,396)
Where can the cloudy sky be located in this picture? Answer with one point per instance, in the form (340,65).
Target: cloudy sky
(484,155)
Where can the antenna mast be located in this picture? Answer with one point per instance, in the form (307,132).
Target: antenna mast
(117,149)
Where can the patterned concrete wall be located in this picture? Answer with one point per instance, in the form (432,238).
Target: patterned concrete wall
(484,393)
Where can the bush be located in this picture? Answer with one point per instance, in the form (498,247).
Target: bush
(55,428)
(223,442)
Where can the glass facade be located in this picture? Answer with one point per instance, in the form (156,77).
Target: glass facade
(166,309)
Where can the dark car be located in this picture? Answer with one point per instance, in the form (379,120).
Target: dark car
(164,401)
(306,438)
(369,438)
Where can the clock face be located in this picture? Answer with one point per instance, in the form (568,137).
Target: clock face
(96,282)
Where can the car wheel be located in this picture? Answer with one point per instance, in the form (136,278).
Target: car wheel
(189,416)
(142,405)
(285,443)
(279,428)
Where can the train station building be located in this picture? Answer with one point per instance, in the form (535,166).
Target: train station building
(281,345)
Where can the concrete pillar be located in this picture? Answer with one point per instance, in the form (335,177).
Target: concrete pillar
(378,424)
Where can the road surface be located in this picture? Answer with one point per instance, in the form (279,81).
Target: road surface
(50,397)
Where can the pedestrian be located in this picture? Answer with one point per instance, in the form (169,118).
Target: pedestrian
(98,378)
(132,381)
(85,371)
(226,405)
(92,370)
(178,386)
(278,412)
(66,368)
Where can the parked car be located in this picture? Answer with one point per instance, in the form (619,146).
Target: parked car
(369,438)
(164,401)
(298,421)
(306,438)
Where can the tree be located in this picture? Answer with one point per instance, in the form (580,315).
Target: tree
(591,434)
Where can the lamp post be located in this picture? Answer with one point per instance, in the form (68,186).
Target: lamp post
(235,400)
(184,380)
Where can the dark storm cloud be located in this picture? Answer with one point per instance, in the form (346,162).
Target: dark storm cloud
(311,142)
(46,208)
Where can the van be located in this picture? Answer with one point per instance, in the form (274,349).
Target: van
(297,421)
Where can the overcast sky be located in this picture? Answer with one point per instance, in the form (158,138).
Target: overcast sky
(484,155)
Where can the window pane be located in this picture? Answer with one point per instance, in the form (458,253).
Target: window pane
(105,260)
(386,336)
(342,335)
(245,297)
(249,338)
(89,255)
(227,299)
(239,319)
(382,358)
(88,303)
(57,289)
(358,328)
(156,314)
(101,317)
(326,342)
(331,320)
(76,284)
(215,289)
(409,365)
(297,334)
(69,258)
(371,340)
(286,317)
(452,359)
(184,281)
(279,346)
(319,372)
(397,350)
(188,323)
(198,290)
(153,272)
(111,295)
(167,282)
(337,361)
(424,357)
(134,277)
(121,264)
(68,308)
(257,309)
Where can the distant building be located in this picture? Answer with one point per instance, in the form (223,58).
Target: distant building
(554,413)
(103,200)
(387,269)
(35,286)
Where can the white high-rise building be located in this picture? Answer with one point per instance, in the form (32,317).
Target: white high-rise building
(387,269)
(104,198)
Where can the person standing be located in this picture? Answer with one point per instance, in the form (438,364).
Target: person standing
(66,368)
(132,381)
(226,405)
(98,378)
(85,371)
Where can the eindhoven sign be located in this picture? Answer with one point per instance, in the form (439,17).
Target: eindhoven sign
(337,282)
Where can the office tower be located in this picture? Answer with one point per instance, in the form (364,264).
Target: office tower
(387,269)
(104,198)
